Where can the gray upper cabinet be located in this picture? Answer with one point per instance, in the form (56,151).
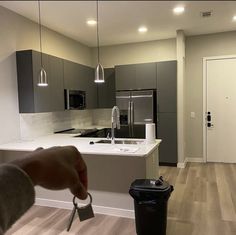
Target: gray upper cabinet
(135,76)
(56,83)
(107,90)
(125,77)
(167,86)
(32,98)
(146,76)
(72,78)
(81,77)
(91,89)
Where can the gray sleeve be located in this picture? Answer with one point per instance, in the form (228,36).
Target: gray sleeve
(16,195)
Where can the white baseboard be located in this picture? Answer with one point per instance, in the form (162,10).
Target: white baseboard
(97,209)
(181,164)
(189,159)
(195,159)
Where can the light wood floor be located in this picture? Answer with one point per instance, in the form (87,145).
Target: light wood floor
(203,203)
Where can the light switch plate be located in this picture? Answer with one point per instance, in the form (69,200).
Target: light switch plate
(192,114)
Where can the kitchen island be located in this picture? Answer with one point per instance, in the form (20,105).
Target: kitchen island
(111,170)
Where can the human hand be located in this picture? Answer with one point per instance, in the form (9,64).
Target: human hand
(57,168)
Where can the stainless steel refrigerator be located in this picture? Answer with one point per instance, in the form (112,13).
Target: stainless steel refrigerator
(136,109)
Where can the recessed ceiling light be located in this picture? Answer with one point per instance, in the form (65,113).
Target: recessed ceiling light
(178,10)
(234,18)
(91,22)
(142,29)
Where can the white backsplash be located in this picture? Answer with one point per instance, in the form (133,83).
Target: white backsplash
(102,117)
(39,124)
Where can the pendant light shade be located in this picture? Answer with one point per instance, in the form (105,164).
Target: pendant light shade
(99,74)
(99,71)
(42,77)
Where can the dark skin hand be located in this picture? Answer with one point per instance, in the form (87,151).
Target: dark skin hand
(57,168)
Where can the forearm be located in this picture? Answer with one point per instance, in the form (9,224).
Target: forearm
(16,194)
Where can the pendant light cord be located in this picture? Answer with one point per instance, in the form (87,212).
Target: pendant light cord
(98,36)
(40,33)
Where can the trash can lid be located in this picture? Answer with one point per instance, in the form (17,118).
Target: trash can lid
(150,185)
(150,189)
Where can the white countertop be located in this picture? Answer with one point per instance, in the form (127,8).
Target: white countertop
(82,144)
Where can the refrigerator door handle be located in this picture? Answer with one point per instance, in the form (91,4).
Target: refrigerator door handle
(129,118)
(157,94)
(129,113)
(132,118)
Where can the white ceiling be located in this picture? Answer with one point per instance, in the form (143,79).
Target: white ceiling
(119,20)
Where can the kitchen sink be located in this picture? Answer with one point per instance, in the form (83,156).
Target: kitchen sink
(120,142)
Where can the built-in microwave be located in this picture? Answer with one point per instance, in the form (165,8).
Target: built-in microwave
(75,99)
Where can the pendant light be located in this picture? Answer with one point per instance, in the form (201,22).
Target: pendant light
(42,77)
(99,71)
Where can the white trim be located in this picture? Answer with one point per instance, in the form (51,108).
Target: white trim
(219,57)
(205,59)
(97,209)
(182,164)
(204,109)
(195,159)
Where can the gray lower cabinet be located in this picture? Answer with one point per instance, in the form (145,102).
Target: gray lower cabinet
(135,76)
(167,131)
(107,90)
(167,86)
(81,77)
(32,98)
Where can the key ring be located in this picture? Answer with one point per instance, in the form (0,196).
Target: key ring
(83,207)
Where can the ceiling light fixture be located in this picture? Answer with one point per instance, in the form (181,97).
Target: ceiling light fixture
(42,77)
(142,29)
(234,18)
(99,71)
(91,22)
(178,10)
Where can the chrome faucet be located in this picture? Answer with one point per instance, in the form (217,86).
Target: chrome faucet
(115,122)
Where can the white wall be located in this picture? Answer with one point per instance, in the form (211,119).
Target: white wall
(198,47)
(142,52)
(18,33)
(102,117)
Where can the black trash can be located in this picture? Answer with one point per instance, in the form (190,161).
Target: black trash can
(150,204)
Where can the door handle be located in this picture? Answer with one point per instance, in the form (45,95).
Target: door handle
(209,124)
(208,119)
(209,116)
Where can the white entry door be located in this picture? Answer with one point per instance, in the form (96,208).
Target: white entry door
(221,103)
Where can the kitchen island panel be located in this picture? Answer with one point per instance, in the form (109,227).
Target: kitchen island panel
(109,181)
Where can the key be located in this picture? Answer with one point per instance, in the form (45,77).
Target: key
(86,212)
(72,215)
